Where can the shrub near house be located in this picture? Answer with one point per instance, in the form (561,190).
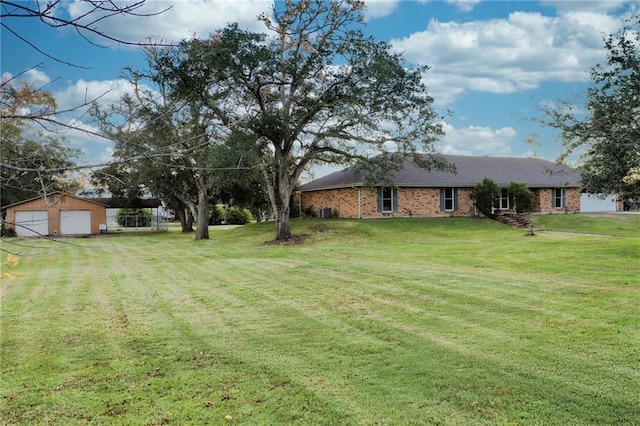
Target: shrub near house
(522,198)
(485,195)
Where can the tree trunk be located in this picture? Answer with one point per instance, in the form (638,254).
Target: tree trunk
(283,224)
(282,209)
(280,187)
(188,221)
(185,224)
(202,210)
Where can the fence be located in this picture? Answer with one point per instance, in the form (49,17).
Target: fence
(137,223)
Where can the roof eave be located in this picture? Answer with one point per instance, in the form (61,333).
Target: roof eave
(437,185)
(328,187)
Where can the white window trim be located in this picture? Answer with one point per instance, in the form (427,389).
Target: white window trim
(501,198)
(452,199)
(562,198)
(390,199)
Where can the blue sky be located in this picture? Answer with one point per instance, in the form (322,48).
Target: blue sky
(492,62)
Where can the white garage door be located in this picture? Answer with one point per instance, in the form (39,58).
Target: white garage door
(32,223)
(597,203)
(75,222)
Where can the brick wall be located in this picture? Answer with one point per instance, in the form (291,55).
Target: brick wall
(419,202)
(343,202)
(544,201)
(425,202)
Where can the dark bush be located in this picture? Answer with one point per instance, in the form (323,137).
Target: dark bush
(217,215)
(237,216)
(308,212)
(485,195)
(522,197)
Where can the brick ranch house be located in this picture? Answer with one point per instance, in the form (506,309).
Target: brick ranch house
(418,192)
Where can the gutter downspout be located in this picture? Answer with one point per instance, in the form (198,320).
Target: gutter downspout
(359,203)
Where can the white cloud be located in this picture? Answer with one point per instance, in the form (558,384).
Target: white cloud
(464,5)
(442,88)
(36,78)
(103,92)
(602,6)
(72,104)
(508,55)
(33,77)
(379,8)
(81,134)
(475,140)
(183,19)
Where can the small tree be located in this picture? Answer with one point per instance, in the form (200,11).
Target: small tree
(522,197)
(484,195)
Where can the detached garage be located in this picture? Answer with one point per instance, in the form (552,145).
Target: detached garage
(57,214)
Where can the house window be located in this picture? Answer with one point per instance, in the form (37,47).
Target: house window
(387,199)
(504,200)
(449,199)
(559,199)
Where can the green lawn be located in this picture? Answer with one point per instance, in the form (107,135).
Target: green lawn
(370,322)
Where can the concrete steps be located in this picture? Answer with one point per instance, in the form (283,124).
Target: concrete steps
(514,220)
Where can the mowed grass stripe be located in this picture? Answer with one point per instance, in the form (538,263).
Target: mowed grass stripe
(277,314)
(63,351)
(396,333)
(170,326)
(422,298)
(186,303)
(227,331)
(188,332)
(556,297)
(316,345)
(543,317)
(551,358)
(483,320)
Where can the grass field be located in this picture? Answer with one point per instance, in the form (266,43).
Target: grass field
(371,322)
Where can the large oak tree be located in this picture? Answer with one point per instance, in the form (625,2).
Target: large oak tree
(313,90)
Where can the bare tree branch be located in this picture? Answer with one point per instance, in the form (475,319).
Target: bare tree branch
(98,11)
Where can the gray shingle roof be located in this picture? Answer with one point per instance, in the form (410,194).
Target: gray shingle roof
(536,173)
